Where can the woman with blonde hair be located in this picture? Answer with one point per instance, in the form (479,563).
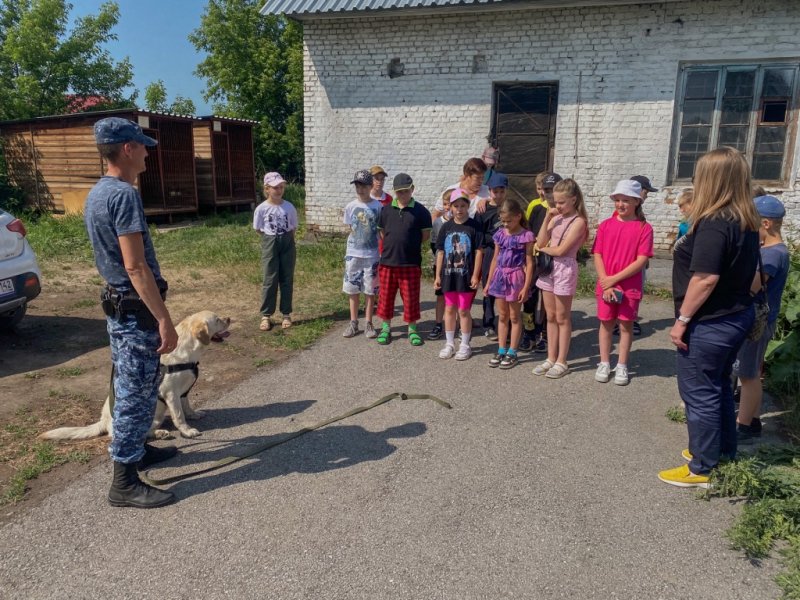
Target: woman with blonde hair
(712,274)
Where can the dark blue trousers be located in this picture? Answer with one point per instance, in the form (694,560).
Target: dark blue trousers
(706,388)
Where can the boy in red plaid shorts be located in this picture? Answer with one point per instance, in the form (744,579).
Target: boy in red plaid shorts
(404,225)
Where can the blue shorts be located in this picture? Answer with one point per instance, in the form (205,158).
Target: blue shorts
(751,355)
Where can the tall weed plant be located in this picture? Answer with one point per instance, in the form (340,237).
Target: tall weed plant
(783,353)
(769,482)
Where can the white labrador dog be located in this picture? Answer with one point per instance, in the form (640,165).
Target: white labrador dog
(178,375)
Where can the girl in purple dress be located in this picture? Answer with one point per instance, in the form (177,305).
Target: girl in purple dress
(510,277)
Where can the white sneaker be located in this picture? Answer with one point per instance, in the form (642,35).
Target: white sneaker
(603,373)
(447,352)
(621,375)
(464,352)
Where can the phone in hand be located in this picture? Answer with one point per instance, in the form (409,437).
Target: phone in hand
(618,295)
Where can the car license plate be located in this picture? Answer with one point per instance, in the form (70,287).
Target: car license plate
(6,287)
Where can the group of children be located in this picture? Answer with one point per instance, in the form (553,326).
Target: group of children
(482,239)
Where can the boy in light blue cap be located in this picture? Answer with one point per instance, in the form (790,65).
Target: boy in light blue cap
(775,269)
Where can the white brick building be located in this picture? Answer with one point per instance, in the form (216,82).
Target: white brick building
(596,90)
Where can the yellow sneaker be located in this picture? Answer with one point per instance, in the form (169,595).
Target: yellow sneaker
(687,456)
(682,477)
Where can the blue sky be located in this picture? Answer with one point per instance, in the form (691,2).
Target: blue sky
(153,35)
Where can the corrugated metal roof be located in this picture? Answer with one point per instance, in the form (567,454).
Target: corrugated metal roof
(292,8)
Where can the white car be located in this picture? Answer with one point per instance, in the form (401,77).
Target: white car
(20,277)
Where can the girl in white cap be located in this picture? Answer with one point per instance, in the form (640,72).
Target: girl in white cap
(276,221)
(622,246)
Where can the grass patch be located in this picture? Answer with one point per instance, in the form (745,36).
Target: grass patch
(300,335)
(65,372)
(63,239)
(44,457)
(216,242)
(676,414)
(658,292)
(34,375)
(769,481)
(28,456)
(85,303)
(262,362)
(586,283)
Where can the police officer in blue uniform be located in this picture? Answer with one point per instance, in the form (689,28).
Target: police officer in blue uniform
(139,323)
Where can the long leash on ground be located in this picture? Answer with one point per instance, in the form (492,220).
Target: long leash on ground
(229,460)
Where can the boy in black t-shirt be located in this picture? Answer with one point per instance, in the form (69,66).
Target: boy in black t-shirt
(490,223)
(404,225)
(458,272)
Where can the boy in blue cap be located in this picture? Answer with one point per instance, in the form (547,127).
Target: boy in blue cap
(138,321)
(775,265)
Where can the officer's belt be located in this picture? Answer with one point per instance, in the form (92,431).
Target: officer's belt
(133,294)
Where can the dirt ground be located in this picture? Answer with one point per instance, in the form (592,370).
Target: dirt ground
(54,369)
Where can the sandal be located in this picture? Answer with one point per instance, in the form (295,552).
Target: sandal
(266,324)
(286,323)
(557,371)
(413,337)
(543,368)
(385,336)
(509,361)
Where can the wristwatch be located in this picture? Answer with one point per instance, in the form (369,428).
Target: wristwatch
(683,319)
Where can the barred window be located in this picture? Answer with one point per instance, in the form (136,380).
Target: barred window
(749,107)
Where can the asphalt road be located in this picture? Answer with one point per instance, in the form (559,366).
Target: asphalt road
(526,488)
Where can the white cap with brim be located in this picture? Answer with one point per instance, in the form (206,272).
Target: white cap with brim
(628,187)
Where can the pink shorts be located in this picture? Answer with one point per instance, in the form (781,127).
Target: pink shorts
(461,300)
(627,310)
(563,281)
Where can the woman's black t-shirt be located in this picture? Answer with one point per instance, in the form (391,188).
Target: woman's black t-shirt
(717,246)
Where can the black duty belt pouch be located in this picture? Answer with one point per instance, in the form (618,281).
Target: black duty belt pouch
(134,306)
(117,305)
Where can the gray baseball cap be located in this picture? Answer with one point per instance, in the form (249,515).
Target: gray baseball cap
(402,181)
(116,130)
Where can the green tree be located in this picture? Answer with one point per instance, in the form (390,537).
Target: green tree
(155,97)
(44,66)
(254,70)
(182,106)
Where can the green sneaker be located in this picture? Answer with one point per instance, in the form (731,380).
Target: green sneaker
(385,336)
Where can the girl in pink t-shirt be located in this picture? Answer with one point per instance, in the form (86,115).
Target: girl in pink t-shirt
(622,246)
(562,233)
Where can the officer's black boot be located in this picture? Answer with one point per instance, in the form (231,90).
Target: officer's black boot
(153,455)
(128,490)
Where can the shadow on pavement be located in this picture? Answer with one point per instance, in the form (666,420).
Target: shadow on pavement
(326,449)
(223,418)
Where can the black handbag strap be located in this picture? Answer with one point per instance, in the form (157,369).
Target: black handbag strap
(563,233)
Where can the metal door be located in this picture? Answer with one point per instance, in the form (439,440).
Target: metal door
(524,129)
